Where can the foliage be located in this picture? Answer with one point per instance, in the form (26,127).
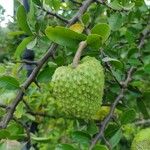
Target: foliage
(117,35)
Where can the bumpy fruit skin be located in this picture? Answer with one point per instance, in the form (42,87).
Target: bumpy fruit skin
(78,91)
(142,140)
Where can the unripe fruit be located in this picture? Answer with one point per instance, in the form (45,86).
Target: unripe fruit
(142,140)
(78,91)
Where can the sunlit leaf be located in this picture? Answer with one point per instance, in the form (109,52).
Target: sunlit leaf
(101,29)
(64,36)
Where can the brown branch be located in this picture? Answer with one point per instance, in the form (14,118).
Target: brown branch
(55,15)
(9,115)
(78,54)
(107,119)
(81,11)
(142,122)
(27,62)
(107,143)
(142,38)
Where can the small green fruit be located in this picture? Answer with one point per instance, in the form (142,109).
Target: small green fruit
(78,91)
(142,140)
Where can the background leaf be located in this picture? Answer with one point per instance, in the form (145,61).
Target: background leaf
(9,83)
(22,20)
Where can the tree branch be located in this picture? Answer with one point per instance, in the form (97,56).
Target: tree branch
(24,61)
(81,11)
(55,15)
(9,115)
(105,122)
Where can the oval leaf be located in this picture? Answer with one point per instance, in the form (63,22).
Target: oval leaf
(9,83)
(115,21)
(101,29)
(81,137)
(128,116)
(115,138)
(22,20)
(64,36)
(94,41)
(115,62)
(22,46)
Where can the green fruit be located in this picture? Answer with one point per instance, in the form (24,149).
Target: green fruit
(78,91)
(142,140)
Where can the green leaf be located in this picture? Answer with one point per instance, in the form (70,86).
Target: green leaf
(129,6)
(40,139)
(4,134)
(81,137)
(46,74)
(142,107)
(16,131)
(32,44)
(115,21)
(115,138)
(111,130)
(56,4)
(9,83)
(94,41)
(115,62)
(147,68)
(115,5)
(64,147)
(21,47)
(64,36)
(92,128)
(101,29)
(100,147)
(22,20)
(53,4)
(37,2)
(128,116)
(86,18)
(16,33)
(20,110)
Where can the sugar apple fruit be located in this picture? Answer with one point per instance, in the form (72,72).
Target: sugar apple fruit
(78,91)
(141,140)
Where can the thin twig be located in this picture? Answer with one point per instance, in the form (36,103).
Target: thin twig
(27,62)
(142,122)
(55,15)
(107,143)
(81,11)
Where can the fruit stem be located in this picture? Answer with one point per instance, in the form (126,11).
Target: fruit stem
(78,54)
